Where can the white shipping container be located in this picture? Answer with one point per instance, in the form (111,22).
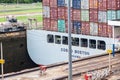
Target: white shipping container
(99,16)
(46,12)
(93,28)
(84,4)
(102,16)
(84,15)
(66,3)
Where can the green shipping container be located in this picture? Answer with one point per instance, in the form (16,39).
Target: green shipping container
(118,14)
(84,15)
(61,25)
(111,14)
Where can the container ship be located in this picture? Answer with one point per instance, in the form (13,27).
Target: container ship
(91,35)
(13,38)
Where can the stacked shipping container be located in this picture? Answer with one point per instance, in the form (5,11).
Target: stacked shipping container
(88,17)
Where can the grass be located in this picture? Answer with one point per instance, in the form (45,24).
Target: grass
(14,9)
(7,7)
(21,12)
(25,18)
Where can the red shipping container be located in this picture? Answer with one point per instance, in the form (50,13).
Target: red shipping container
(46,2)
(53,13)
(102,4)
(61,12)
(104,30)
(85,29)
(93,15)
(76,14)
(54,25)
(115,4)
(82,27)
(46,23)
(66,25)
(66,13)
(109,31)
(109,4)
(100,27)
(53,3)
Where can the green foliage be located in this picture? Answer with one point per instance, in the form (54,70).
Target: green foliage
(19,1)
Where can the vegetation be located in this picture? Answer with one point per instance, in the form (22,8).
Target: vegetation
(22,11)
(19,1)
(25,18)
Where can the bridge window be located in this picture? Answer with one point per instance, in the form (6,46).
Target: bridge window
(92,43)
(50,38)
(101,45)
(75,41)
(57,39)
(65,40)
(84,42)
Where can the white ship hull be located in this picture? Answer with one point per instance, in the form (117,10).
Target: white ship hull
(42,52)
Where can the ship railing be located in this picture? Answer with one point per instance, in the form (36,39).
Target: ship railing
(34,24)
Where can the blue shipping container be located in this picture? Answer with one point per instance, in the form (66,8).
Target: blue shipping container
(60,3)
(76,4)
(76,27)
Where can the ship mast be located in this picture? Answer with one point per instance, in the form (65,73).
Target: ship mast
(69,43)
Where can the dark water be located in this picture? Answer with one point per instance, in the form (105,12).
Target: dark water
(15,53)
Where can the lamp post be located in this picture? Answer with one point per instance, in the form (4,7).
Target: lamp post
(69,43)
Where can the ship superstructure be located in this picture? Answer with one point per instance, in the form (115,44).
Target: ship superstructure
(91,34)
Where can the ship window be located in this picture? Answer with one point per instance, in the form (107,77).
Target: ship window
(75,41)
(50,38)
(92,43)
(101,45)
(57,39)
(84,42)
(65,40)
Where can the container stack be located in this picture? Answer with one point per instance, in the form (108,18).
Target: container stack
(88,17)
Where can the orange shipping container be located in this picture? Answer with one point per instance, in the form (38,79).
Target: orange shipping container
(91,4)
(95,4)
